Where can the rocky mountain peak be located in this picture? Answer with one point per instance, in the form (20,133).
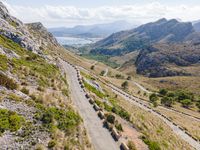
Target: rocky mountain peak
(3,11)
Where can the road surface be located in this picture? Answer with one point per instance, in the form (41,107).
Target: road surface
(100,137)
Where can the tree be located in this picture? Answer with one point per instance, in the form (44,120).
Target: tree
(92,67)
(167,101)
(124,85)
(163,92)
(186,103)
(153,99)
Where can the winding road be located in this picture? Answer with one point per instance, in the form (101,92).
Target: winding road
(175,128)
(100,137)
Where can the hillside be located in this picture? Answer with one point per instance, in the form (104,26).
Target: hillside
(91,31)
(161,31)
(163,60)
(197,26)
(35,107)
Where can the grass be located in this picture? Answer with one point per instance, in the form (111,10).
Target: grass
(4,63)
(94,90)
(7,82)
(7,43)
(10,121)
(101,58)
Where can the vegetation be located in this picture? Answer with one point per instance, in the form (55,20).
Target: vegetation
(102,73)
(151,144)
(124,85)
(131,145)
(94,90)
(110,118)
(153,99)
(92,67)
(4,63)
(7,82)
(52,117)
(10,121)
(102,58)
(119,76)
(25,91)
(121,112)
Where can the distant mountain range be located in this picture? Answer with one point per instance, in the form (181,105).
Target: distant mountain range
(92,31)
(196,25)
(166,47)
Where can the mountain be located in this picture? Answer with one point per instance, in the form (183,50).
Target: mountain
(161,31)
(196,26)
(35,108)
(90,31)
(161,60)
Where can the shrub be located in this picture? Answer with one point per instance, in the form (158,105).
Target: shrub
(151,144)
(186,103)
(25,91)
(153,97)
(10,121)
(131,145)
(119,76)
(129,78)
(7,82)
(66,120)
(102,73)
(124,85)
(121,112)
(110,118)
(51,144)
(92,67)
(163,92)
(167,101)
(119,126)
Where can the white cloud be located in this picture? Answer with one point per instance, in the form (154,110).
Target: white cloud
(70,15)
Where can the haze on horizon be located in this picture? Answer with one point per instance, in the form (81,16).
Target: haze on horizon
(74,12)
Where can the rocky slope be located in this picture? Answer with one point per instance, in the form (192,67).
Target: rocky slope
(35,108)
(161,31)
(162,60)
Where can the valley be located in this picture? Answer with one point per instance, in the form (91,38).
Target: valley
(136,89)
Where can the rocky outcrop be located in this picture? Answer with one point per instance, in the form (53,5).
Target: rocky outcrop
(15,30)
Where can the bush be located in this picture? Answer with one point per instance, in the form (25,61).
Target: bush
(92,67)
(25,91)
(119,76)
(167,101)
(10,121)
(121,112)
(153,99)
(124,85)
(119,126)
(131,145)
(129,78)
(186,103)
(66,120)
(163,92)
(51,144)
(7,82)
(151,144)
(110,118)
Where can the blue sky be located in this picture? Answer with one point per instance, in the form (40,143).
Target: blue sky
(54,13)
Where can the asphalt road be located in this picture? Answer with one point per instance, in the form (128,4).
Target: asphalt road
(100,137)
